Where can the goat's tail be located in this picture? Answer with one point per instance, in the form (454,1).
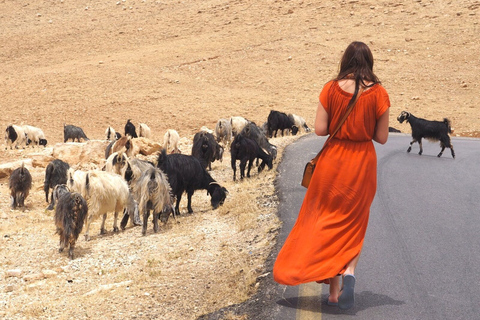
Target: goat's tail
(87,185)
(448,124)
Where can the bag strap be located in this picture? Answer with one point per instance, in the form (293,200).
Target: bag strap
(349,109)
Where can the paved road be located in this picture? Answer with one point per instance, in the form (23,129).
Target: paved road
(421,255)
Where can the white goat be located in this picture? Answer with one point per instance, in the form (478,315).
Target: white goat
(223,131)
(238,123)
(144,131)
(104,192)
(170,140)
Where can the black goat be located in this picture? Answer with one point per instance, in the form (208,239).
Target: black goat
(245,149)
(55,173)
(70,214)
(130,129)
(430,130)
(186,174)
(280,121)
(252,131)
(20,183)
(206,149)
(73,132)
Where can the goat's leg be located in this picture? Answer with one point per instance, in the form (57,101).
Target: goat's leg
(89,220)
(155,222)
(441,151)
(177,205)
(126,216)
(446,143)
(421,147)
(410,148)
(52,203)
(102,228)
(62,245)
(250,163)
(243,164)
(21,200)
(189,203)
(70,251)
(115,225)
(13,201)
(146,213)
(234,167)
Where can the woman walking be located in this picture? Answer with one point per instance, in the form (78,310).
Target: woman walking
(326,240)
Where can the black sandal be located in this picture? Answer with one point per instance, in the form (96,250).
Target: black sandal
(346,300)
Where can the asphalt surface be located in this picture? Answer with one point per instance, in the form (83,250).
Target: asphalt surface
(421,254)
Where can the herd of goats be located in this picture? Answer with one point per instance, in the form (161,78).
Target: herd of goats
(136,187)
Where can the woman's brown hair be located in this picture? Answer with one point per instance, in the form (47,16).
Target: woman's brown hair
(357,63)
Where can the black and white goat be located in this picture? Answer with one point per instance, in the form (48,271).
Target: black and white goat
(116,162)
(73,132)
(35,136)
(430,130)
(130,129)
(153,191)
(15,135)
(111,134)
(246,149)
(206,149)
(55,174)
(186,174)
(299,122)
(20,183)
(70,214)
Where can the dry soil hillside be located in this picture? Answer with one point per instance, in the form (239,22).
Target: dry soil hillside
(183,65)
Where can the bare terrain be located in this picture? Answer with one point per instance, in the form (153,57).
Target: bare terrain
(184,65)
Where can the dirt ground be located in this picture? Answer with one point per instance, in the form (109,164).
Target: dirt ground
(184,65)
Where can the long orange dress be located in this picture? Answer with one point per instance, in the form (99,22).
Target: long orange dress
(333,218)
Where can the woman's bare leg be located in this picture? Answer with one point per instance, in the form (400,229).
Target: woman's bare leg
(352,265)
(334,289)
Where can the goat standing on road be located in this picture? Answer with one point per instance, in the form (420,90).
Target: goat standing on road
(430,130)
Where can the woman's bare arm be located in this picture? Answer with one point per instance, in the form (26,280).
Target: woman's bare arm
(381,129)
(321,121)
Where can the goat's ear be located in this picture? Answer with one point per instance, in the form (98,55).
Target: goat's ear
(115,159)
(225,189)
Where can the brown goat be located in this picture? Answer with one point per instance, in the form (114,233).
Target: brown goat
(20,183)
(70,213)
